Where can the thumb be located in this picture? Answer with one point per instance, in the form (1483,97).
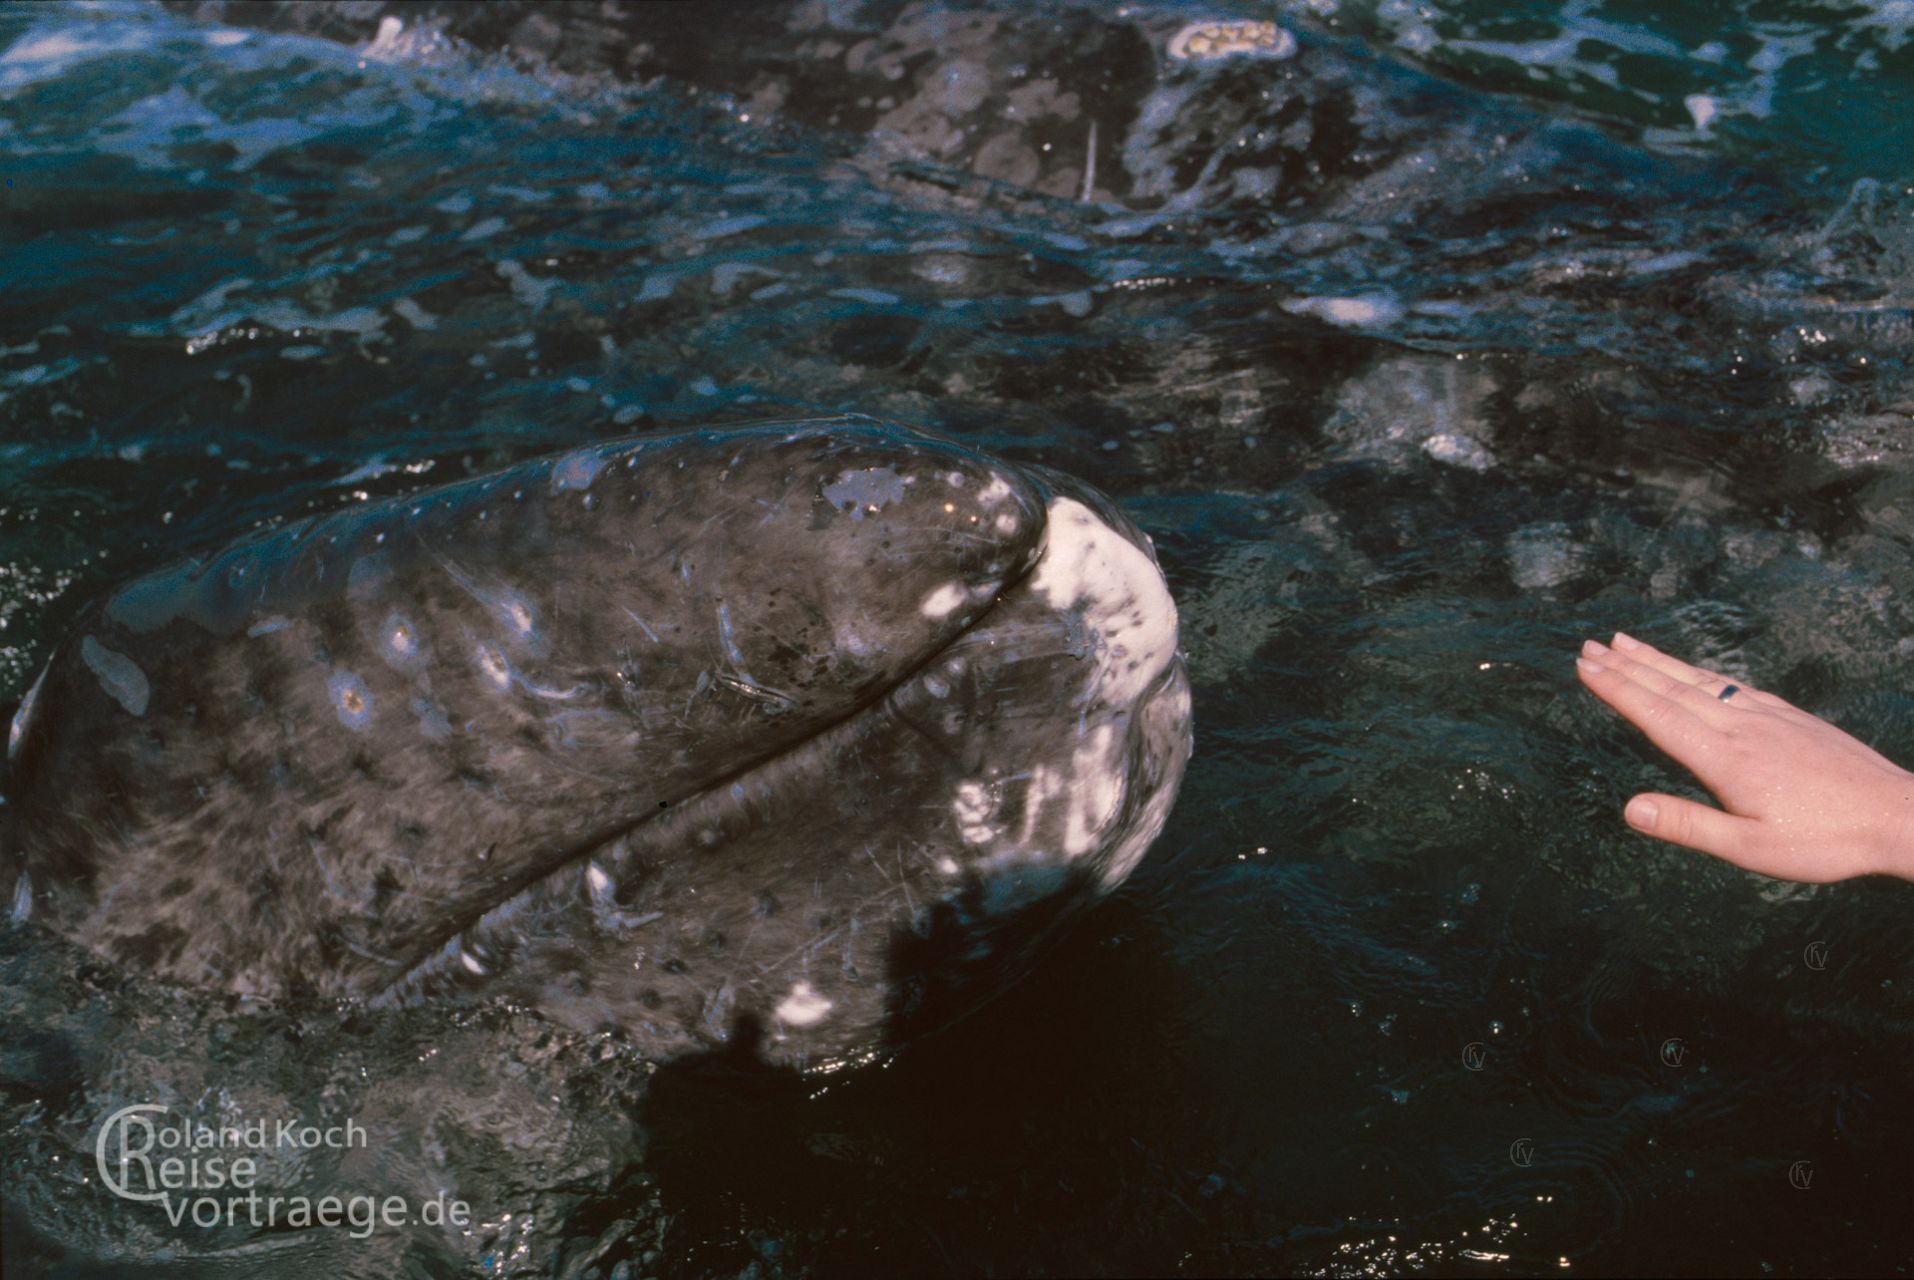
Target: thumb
(1695,826)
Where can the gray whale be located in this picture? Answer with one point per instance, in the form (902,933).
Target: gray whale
(660,736)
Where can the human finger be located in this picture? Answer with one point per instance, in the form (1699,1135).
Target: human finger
(1669,725)
(1703,703)
(1710,682)
(1693,826)
(1648,655)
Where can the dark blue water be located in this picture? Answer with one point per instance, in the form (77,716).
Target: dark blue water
(1457,334)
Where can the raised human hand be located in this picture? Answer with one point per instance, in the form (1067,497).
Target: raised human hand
(1801,800)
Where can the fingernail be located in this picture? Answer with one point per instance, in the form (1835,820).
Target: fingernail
(1589,668)
(1594,648)
(1641,813)
(1626,642)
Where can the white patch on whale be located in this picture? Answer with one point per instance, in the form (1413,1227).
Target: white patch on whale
(1212,40)
(119,676)
(1096,789)
(1350,313)
(1116,606)
(866,491)
(804,1007)
(23,717)
(597,882)
(995,492)
(399,642)
(492,663)
(1125,602)
(940,603)
(973,808)
(516,612)
(1045,786)
(1169,707)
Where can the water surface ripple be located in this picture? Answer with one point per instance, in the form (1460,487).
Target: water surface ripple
(1459,333)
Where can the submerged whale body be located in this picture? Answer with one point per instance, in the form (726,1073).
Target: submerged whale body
(757,727)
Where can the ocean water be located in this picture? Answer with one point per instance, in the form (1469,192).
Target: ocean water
(1425,339)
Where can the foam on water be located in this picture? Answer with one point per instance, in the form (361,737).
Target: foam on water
(1681,73)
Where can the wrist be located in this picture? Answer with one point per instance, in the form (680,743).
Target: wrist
(1895,856)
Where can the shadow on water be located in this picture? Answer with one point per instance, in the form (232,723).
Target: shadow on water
(910,1164)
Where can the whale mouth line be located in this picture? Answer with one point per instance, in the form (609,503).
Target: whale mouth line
(447,947)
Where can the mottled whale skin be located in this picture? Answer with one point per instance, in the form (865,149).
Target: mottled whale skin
(654,737)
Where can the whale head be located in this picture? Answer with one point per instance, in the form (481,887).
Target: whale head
(658,737)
